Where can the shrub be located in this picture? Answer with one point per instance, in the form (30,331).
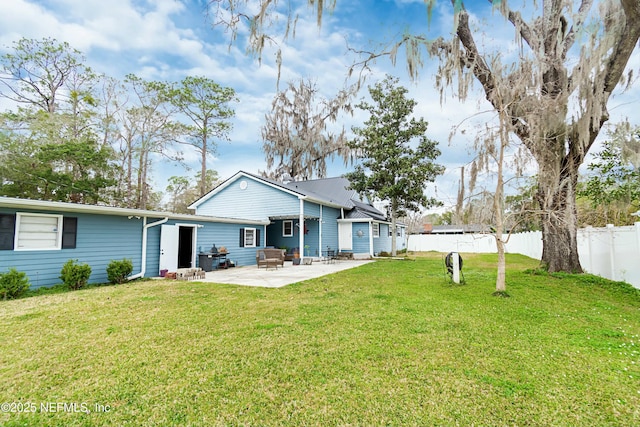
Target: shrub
(13,284)
(117,271)
(75,276)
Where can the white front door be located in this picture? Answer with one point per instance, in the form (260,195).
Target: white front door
(169,247)
(345,238)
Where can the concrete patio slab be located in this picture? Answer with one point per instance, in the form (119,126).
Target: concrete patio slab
(276,278)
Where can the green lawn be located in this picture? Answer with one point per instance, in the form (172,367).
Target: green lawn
(389,343)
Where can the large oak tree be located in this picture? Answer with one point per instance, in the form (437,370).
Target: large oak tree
(559,73)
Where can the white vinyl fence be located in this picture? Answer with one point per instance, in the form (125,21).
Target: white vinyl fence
(611,252)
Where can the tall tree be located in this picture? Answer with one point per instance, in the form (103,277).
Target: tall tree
(206,105)
(52,151)
(558,74)
(147,129)
(41,73)
(296,134)
(390,169)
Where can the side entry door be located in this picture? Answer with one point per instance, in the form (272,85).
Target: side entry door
(169,247)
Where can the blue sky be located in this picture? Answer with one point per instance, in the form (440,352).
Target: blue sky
(170,39)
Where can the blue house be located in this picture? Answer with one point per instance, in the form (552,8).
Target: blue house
(310,216)
(38,237)
(243,214)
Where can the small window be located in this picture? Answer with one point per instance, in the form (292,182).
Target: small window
(38,232)
(376,229)
(287,228)
(7,228)
(69,232)
(249,237)
(390,231)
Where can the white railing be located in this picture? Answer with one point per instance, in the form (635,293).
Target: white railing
(611,252)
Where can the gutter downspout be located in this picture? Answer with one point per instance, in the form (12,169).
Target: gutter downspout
(145,227)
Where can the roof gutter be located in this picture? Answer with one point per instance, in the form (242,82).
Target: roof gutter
(145,227)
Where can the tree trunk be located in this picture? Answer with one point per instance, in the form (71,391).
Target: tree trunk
(203,169)
(557,198)
(394,209)
(498,204)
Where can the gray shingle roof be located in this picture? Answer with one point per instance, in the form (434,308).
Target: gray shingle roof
(333,190)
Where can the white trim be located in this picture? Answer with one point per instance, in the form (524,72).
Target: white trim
(301,229)
(194,249)
(233,179)
(241,174)
(143,262)
(320,221)
(244,238)
(58,230)
(371,237)
(15,203)
(373,227)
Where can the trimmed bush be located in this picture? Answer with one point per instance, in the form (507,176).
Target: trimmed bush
(118,271)
(13,284)
(75,276)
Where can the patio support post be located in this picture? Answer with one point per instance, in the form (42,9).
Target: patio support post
(301,229)
(371,237)
(320,233)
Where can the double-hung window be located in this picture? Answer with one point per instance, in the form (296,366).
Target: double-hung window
(249,237)
(287,228)
(376,229)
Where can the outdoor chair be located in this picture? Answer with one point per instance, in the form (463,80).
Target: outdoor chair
(270,258)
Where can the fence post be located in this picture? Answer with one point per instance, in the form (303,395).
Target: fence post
(612,257)
(587,231)
(637,225)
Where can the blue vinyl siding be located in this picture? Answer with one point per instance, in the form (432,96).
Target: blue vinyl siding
(258,201)
(99,240)
(102,238)
(312,238)
(361,243)
(330,228)
(228,235)
(382,243)
(311,209)
(277,240)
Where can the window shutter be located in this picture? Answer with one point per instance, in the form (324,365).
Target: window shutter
(69,232)
(7,230)
(242,237)
(257,237)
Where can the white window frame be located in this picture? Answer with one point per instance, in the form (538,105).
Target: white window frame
(284,228)
(20,232)
(253,237)
(390,231)
(375,229)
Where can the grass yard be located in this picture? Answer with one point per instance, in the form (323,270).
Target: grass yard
(389,343)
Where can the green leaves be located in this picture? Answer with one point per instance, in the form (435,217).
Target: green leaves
(395,156)
(614,182)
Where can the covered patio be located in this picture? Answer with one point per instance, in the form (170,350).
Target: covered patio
(278,277)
